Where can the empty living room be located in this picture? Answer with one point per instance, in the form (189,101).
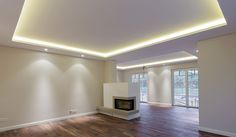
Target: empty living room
(117,68)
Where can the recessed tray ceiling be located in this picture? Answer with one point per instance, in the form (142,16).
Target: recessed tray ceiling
(110,27)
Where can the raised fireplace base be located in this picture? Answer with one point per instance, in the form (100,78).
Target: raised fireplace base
(123,114)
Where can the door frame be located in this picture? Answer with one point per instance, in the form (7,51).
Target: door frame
(187,89)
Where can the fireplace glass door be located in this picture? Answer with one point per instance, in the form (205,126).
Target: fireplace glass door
(124,104)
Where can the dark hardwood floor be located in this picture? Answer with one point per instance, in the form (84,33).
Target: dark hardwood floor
(155,121)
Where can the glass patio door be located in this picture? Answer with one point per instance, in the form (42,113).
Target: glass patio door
(143,87)
(180,95)
(185,87)
(193,95)
(142,79)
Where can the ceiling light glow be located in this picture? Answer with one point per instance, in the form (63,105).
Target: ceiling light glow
(178,34)
(175,35)
(53,45)
(172,36)
(191,58)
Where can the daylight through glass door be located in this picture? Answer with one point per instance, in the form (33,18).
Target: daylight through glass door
(143,87)
(142,79)
(185,88)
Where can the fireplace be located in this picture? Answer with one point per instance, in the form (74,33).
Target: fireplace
(124,103)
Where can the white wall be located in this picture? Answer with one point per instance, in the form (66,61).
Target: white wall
(110,72)
(217,63)
(159,84)
(37,86)
(159,87)
(119,76)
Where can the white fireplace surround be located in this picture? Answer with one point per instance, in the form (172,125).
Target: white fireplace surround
(111,90)
(121,90)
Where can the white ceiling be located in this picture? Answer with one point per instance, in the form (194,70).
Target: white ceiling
(107,25)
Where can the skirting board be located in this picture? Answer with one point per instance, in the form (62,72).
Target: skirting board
(45,121)
(219,132)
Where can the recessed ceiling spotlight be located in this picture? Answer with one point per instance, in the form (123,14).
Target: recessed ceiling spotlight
(46,50)
(82,55)
(197,50)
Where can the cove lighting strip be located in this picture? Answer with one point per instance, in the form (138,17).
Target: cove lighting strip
(175,35)
(172,36)
(47,44)
(41,43)
(191,58)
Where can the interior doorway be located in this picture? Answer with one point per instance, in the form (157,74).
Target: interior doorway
(185,87)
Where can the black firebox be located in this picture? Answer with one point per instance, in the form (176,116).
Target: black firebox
(124,104)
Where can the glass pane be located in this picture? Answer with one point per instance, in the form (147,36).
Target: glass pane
(141,76)
(143,88)
(133,78)
(136,78)
(179,88)
(193,88)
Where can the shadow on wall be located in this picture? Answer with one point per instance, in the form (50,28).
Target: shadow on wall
(160,84)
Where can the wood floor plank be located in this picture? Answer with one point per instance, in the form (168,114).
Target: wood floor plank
(155,121)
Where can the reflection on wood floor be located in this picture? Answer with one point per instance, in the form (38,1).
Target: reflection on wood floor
(155,121)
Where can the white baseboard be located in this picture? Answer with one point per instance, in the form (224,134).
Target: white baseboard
(159,103)
(215,131)
(45,121)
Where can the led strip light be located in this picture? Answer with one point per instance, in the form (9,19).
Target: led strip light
(185,32)
(191,58)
